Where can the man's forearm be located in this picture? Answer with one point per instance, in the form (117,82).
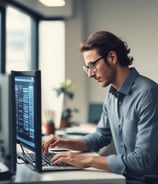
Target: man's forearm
(76,144)
(99,162)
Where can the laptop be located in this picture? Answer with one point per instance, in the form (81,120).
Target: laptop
(26,89)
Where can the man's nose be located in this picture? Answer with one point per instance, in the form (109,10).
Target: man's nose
(91,73)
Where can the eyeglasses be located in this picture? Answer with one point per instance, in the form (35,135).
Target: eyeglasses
(91,65)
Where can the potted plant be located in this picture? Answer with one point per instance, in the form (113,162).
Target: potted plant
(66,116)
(49,125)
(67,89)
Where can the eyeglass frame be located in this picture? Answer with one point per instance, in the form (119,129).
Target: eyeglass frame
(91,65)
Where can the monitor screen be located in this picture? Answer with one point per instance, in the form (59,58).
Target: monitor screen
(27,99)
(7,126)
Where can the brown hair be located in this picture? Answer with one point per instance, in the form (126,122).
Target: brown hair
(104,42)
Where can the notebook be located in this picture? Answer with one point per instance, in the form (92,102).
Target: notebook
(26,89)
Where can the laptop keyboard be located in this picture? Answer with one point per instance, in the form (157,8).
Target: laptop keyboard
(46,159)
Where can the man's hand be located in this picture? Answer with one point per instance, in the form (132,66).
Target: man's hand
(81,161)
(72,158)
(52,142)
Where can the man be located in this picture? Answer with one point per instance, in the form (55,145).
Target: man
(129,117)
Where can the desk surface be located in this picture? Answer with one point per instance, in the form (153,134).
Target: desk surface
(88,176)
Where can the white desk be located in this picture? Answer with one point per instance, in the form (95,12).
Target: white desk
(88,176)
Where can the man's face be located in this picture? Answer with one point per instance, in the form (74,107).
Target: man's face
(105,73)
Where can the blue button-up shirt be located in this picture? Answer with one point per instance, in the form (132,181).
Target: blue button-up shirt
(130,118)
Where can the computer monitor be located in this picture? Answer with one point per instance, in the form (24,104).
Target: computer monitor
(7,129)
(94,112)
(26,91)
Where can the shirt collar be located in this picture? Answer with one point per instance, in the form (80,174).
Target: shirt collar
(126,86)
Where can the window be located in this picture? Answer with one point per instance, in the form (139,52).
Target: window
(18,40)
(22,52)
(52,63)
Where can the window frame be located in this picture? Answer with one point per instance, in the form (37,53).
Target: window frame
(34,36)
(35,20)
(2,39)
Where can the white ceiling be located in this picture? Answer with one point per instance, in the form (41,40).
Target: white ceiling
(47,12)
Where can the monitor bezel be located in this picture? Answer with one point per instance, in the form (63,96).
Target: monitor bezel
(37,112)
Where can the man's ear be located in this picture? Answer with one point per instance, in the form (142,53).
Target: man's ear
(112,57)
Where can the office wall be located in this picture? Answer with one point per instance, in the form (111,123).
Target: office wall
(75,31)
(134,21)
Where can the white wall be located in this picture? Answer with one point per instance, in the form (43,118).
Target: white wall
(74,34)
(134,21)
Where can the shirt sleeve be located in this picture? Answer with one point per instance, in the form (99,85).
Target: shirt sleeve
(116,164)
(102,136)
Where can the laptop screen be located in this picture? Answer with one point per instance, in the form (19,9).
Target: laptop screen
(27,111)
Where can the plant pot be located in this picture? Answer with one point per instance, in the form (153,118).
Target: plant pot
(48,128)
(64,124)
